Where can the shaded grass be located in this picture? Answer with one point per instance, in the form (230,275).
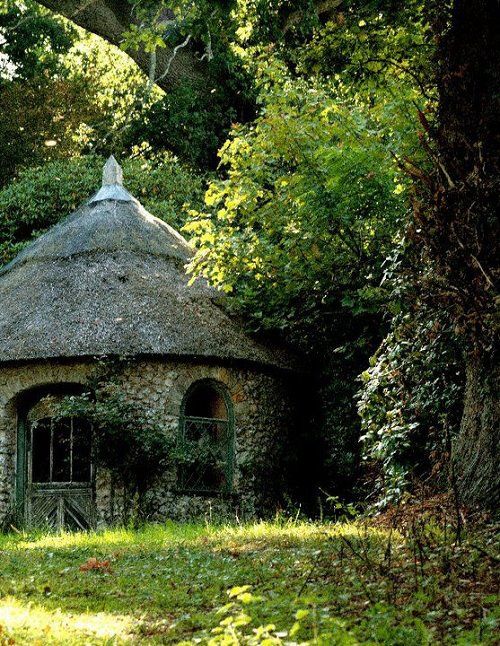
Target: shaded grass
(349,583)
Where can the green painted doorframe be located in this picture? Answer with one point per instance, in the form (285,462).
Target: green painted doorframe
(23,489)
(21,468)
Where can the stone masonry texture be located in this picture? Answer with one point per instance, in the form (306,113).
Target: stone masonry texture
(263,432)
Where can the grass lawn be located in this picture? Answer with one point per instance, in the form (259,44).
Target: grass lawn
(307,583)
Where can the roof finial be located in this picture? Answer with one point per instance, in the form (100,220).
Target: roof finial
(112,173)
(112,184)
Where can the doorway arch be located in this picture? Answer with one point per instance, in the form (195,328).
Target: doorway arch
(55,472)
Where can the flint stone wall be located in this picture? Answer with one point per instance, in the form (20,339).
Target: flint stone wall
(263,428)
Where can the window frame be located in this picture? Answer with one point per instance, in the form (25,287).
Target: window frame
(228,472)
(52,423)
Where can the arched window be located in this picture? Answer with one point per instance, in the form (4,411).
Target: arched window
(206,438)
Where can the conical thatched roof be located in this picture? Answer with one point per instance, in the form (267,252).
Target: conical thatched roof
(110,280)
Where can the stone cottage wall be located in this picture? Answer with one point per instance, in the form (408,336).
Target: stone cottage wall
(263,425)
(15,383)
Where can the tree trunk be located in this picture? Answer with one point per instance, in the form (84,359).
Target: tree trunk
(110,18)
(476,450)
(457,224)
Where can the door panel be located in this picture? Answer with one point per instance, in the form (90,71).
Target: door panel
(59,490)
(62,508)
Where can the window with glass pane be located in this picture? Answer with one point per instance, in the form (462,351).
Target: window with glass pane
(61,450)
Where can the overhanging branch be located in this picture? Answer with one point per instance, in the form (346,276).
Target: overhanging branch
(111,18)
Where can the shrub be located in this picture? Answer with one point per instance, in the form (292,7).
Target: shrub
(42,196)
(132,447)
(410,404)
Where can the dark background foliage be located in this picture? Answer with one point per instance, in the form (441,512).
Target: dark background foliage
(308,126)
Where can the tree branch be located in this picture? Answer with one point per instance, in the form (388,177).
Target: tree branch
(110,18)
(171,59)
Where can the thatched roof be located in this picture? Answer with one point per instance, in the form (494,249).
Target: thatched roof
(110,280)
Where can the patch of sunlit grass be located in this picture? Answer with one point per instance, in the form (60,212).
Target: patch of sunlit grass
(294,533)
(170,533)
(28,623)
(161,535)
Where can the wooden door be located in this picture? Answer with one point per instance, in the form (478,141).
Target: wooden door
(59,484)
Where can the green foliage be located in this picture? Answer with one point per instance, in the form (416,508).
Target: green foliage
(32,40)
(308,195)
(194,119)
(371,43)
(120,95)
(410,405)
(85,96)
(40,197)
(41,106)
(76,99)
(164,23)
(238,627)
(367,43)
(39,119)
(133,448)
(276,21)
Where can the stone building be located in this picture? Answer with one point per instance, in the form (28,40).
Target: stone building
(109,281)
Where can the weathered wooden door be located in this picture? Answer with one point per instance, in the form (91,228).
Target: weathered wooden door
(58,491)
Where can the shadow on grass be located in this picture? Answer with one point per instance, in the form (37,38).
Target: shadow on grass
(163,583)
(171,574)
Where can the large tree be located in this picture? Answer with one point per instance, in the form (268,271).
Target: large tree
(110,19)
(185,56)
(456,210)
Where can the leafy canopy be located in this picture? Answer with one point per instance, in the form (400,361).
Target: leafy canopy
(307,206)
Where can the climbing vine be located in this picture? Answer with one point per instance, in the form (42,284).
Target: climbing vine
(132,447)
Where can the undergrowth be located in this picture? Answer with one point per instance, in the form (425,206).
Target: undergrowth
(266,583)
